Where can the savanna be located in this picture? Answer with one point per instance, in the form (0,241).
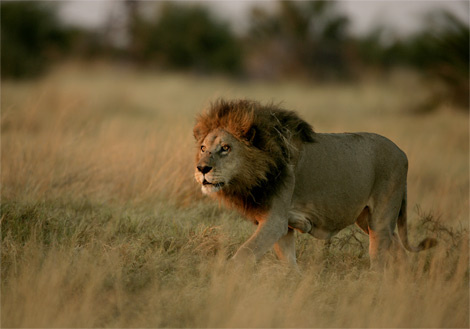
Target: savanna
(103,225)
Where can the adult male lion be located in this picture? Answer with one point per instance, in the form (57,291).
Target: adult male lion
(272,166)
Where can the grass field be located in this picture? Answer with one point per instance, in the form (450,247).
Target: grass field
(103,225)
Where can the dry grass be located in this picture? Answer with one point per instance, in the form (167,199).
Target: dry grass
(103,226)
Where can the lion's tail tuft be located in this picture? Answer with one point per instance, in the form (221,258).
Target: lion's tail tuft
(403,232)
(427,243)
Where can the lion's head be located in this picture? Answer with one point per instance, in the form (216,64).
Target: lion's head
(243,149)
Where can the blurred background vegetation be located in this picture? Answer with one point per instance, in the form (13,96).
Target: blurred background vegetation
(309,40)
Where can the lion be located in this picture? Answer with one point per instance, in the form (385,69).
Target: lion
(277,171)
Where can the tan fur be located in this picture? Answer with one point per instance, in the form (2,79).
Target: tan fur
(272,166)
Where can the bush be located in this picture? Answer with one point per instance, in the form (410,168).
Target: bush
(31,37)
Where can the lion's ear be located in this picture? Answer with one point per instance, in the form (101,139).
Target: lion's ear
(251,135)
(198,133)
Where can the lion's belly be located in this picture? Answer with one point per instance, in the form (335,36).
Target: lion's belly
(321,224)
(327,211)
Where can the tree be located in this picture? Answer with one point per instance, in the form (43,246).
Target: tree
(442,50)
(300,38)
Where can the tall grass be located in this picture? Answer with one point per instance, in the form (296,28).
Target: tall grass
(103,226)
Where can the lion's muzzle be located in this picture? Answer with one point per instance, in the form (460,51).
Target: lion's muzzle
(204,175)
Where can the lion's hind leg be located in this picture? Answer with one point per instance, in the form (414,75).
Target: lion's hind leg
(298,220)
(384,244)
(379,238)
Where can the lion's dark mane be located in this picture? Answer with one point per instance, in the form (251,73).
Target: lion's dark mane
(272,136)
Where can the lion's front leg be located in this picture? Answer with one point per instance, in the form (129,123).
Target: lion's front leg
(271,227)
(285,248)
(269,231)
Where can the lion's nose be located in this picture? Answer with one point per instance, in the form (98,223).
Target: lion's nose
(204,169)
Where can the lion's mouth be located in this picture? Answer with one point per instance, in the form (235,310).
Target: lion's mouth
(209,184)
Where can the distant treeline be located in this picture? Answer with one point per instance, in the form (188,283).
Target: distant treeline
(307,39)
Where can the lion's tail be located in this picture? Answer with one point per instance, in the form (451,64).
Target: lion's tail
(403,232)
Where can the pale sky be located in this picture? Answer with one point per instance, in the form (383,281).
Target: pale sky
(401,16)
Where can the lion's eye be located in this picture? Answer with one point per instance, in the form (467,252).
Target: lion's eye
(226,148)
(203,148)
